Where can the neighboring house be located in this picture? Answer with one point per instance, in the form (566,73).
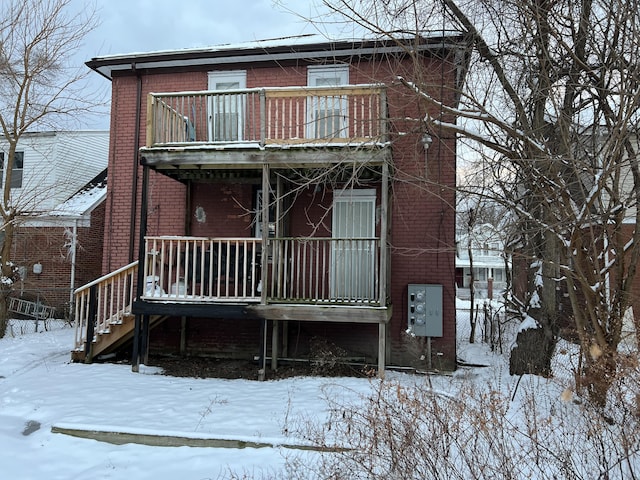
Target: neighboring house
(487,250)
(58,242)
(268,194)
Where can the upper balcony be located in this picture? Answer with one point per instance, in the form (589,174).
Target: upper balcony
(236,126)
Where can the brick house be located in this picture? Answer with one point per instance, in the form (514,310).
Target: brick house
(58,181)
(266,196)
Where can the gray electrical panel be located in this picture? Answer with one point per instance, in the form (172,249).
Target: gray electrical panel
(424,309)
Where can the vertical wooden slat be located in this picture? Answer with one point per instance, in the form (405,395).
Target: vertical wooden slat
(212,273)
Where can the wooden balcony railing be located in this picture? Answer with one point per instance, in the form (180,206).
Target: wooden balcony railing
(195,269)
(269,116)
(325,271)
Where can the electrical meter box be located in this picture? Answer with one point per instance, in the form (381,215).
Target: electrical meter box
(424,310)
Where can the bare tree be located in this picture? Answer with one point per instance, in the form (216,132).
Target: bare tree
(40,88)
(553,94)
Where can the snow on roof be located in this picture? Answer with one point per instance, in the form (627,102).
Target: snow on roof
(288,41)
(85,200)
(276,49)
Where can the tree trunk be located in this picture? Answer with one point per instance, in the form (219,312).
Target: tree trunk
(535,346)
(532,353)
(472,280)
(598,375)
(9,274)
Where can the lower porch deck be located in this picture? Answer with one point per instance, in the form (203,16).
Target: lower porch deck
(302,279)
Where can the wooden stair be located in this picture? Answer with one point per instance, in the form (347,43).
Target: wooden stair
(118,334)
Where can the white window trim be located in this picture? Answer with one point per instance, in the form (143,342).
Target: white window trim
(226,76)
(315,72)
(216,76)
(353,286)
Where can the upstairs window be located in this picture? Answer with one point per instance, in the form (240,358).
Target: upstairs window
(16,174)
(327,112)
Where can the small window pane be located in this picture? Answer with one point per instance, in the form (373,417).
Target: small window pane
(16,174)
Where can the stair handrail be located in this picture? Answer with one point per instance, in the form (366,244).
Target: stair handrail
(102,302)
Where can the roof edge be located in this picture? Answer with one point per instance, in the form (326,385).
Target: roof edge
(299,47)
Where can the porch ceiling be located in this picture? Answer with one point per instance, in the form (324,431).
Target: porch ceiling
(201,162)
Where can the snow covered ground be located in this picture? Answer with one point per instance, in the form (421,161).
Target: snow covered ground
(40,389)
(39,384)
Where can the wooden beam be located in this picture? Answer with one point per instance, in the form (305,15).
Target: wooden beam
(231,157)
(195,310)
(321,313)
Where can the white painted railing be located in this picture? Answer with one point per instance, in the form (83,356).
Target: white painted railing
(103,302)
(324,270)
(196,269)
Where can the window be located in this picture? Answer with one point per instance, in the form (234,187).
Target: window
(480,274)
(327,113)
(498,275)
(226,111)
(16,173)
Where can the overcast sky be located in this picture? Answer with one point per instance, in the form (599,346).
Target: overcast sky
(147,25)
(128,26)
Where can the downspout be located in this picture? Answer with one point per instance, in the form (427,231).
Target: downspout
(72,280)
(140,339)
(136,165)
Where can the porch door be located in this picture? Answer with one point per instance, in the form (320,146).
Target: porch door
(327,114)
(353,245)
(226,111)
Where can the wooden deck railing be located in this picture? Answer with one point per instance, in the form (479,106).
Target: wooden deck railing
(268,116)
(324,271)
(196,269)
(103,302)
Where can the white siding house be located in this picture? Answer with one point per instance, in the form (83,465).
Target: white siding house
(58,187)
(52,166)
(488,262)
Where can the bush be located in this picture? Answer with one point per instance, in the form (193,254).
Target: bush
(406,431)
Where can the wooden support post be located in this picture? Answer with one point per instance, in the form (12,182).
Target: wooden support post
(384,225)
(144,346)
(135,355)
(382,349)
(91,322)
(285,338)
(274,345)
(183,335)
(265,232)
(263,355)
(144,208)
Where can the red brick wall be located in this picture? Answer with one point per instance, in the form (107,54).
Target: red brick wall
(49,247)
(222,210)
(422,194)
